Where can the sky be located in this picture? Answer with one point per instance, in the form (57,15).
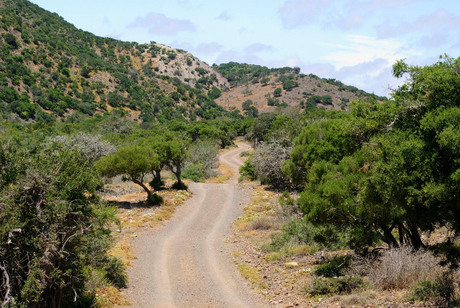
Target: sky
(354,41)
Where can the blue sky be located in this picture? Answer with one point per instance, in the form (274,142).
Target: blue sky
(355,41)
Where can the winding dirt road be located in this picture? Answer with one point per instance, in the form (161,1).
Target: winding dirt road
(187,263)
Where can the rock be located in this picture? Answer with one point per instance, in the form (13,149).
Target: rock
(291,264)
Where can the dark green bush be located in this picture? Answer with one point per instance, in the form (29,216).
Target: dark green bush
(155,199)
(340,285)
(334,267)
(115,273)
(441,291)
(179,186)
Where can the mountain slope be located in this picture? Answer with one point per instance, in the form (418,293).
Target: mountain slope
(47,62)
(50,69)
(268,88)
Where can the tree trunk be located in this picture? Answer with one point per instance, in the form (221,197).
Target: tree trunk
(141,184)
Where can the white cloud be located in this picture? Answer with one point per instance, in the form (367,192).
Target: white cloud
(359,49)
(157,23)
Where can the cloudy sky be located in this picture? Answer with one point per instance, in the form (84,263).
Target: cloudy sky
(355,41)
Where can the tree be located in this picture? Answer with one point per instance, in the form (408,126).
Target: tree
(133,163)
(249,109)
(53,230)
(176,153)
(277,92)
(386,167)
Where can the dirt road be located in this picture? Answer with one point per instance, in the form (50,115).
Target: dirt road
(187,263)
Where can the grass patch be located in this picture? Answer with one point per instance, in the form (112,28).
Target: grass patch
(262,205)
(252,275)
(123,251)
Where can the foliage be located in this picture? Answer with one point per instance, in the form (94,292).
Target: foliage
(155,199)
(339,285)
(90,147)
(299,231)
(334,267)
(376,168)
(52,227)
(441,291)
(133,163)
(267,160)
(247,170)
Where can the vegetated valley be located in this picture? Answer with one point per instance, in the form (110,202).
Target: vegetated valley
(355,197)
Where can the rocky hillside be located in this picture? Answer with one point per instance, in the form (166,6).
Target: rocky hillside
(51,70)
(268,89)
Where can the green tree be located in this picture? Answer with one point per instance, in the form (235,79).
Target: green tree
(133,163)
(176,154)
(53,229)
(382,165)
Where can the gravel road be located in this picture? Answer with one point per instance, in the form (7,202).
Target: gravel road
(187,263)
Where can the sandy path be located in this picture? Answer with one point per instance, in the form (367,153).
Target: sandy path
(186,263)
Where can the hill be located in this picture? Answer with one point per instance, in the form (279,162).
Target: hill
(51,70)
(269,88)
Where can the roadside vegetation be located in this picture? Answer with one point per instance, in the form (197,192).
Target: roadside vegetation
(371,193)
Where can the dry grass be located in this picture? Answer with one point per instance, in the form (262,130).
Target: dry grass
(108,297)
(402,267)
(226,173)
(123,250)
(262,205)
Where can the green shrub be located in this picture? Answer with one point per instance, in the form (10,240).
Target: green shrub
(340,285)
(441,291)
(334,267)
(299,232)
(193,172)
(179,186)
(155,199)
(247,170)
(116,272)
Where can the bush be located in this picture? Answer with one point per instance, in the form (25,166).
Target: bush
(247,170)
(193,172)
(115,272)
(333,268)
(300,232)
(155,199)
(401,267)
(441,291)
(267,160)
(179,186)
(340,285)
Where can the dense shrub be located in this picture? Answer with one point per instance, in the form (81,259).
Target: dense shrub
(340,285)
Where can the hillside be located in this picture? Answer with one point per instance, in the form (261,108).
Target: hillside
(46,62)
(269,88)
(51,70)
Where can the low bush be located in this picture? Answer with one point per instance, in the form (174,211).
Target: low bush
(441,291)
(340,285)
(299,231)
(335,266)
(179,186)
(155,199)
(193,172)
(402,267)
